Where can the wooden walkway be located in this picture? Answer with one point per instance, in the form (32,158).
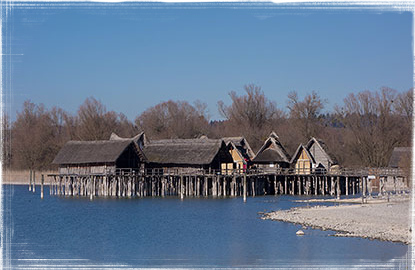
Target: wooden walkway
(132,183)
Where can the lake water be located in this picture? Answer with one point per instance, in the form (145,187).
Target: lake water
(69,232)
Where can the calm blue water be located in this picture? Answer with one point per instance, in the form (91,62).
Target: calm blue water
(71,232)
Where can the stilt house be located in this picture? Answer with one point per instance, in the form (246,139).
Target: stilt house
(321,154)
(98,157)
(272,155)
(314,157)
(241,152)
(187,155)
(302,160)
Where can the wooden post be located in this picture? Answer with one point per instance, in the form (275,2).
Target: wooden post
(233,185)
(253,186)
(369,186)
(50,186)
(41,186)
(275,186)
(338,187)
(353,186)
(206,185)
(293,186)
(90,189)
(224,187)
(364,189)
(285,185)
(381,185)
(347,186)
(244,187)
(181,187)
(34,182)
(30,181)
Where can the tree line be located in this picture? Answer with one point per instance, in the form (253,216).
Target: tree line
(361,132)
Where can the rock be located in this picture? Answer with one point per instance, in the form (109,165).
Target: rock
(299,232)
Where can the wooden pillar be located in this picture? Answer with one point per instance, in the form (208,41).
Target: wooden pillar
(253,186)
(90,189)
(50,185)
(206,179)
(224,187)
(347,186)
(353,186)
(285,185)
(293,186)
(381,185)
(299,186)
(181,187)
(30,180)
(364,189)
(338,187)
(233,185)
(34,182)
(369,186)
(41,186)
(244,188)
(275,186)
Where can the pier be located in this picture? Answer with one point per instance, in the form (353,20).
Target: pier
(229,183)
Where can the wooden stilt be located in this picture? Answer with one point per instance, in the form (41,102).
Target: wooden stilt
(285,185)
(347,186)
(41,186)
(181,187)
(244,188)
(338,187)
(30,180)
(34,182)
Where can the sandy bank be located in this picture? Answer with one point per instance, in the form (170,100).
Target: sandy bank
(21,177)
(388,221)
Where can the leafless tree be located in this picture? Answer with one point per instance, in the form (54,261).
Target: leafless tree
(305,114)
(251,115)
(94,122)
(6,141)
(173,120)
(372,128)
(33,144)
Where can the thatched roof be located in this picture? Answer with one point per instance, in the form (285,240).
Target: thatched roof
(183,151)
(272,151)
(297,153)
(83,152)
(323,147)
(242,145)
(398,154)
(140,136)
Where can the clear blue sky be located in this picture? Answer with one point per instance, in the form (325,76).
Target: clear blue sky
(131,57)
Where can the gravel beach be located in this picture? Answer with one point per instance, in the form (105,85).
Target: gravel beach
(379,219)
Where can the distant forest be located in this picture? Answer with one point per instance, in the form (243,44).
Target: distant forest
(361,132)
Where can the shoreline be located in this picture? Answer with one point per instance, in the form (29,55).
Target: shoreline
(380,219)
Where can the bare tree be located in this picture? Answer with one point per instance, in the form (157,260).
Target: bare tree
(404,104)
(94,122)
(6,141)
(173,120)
(305,114)
(251,115)
(372,127)
(33,144)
